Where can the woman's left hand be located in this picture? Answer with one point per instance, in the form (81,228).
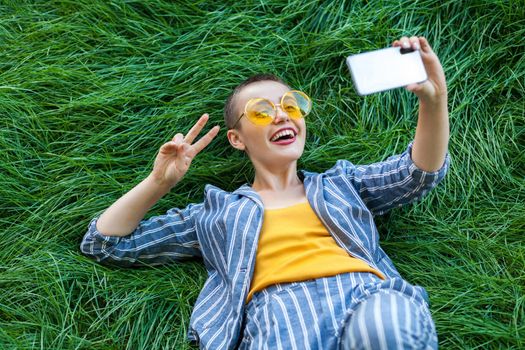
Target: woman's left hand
(434,89)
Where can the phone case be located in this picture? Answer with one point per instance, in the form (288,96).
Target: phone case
(385,69)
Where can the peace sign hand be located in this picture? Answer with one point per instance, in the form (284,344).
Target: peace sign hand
(174,157)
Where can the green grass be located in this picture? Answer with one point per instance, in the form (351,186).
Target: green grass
(90,89)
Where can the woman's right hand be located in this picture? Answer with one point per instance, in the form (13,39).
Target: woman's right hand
(174,157)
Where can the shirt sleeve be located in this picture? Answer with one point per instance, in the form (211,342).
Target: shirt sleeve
(394,182)
(157,240)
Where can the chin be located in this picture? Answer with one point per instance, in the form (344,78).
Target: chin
(292,155)
(284,159)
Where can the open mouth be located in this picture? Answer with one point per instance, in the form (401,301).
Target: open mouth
(284,137)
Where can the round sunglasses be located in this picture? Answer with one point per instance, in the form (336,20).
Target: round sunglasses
(261,111)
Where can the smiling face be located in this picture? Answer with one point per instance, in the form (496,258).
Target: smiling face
(277,144)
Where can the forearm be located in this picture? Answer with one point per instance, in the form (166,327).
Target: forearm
(123,216)
(432,135)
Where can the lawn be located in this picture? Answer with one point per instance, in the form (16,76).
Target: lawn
(89,90)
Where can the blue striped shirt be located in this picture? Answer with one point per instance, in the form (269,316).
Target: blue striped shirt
(224,231)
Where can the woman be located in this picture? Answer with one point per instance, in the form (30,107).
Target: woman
(293,260)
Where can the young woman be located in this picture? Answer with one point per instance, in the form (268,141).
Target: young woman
(293,259)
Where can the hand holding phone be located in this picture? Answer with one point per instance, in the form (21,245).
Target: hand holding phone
(386,69)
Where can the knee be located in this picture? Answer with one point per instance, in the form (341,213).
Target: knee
(389,320)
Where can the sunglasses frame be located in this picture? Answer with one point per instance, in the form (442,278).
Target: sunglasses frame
(274,106)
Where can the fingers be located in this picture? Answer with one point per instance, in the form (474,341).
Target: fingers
(414,42)
(436,83)
(178,138)
(425,46)
(205,140)
(168,147)
(419,43)
(196,129)
(404,42)
(179,143)
(407,43)
(173,146)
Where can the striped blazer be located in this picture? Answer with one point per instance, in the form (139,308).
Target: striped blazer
(224,231)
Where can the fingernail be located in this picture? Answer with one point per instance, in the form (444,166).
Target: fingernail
(406,45)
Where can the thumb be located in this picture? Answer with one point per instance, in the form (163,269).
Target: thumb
(413,87)
(416,88)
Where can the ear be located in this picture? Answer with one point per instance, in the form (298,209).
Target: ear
(235,139)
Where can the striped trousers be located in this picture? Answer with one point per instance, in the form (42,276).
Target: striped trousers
(348,311)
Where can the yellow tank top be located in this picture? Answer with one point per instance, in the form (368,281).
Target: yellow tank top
(294,245)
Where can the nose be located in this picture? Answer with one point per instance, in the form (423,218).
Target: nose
(280,115)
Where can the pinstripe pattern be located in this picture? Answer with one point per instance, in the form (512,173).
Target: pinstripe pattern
(380,315)
(389,315)
(224,231)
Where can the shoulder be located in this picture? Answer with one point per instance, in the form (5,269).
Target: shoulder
(341,167)
(218,196)
(214,191)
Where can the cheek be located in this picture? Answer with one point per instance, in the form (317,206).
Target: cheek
(302,126)
(254,137)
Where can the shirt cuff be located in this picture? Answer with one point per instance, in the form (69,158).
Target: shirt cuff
(422,176)
(99,237)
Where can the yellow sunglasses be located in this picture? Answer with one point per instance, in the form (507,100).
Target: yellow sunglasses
(261,111)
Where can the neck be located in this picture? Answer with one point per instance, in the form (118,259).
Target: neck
(279,178)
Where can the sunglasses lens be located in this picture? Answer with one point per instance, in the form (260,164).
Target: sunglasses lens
(297,104)
(260,111)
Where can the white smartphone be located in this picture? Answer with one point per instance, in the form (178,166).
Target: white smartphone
(386,69)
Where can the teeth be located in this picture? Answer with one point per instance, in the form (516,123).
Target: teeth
(281,134)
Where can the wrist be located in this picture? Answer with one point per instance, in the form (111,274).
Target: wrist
(438,100)
(157,185)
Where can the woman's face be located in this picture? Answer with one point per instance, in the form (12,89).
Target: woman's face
(259,141)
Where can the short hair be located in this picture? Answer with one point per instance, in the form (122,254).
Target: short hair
(229,117)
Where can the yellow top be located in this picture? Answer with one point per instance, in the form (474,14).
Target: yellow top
(294,245)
